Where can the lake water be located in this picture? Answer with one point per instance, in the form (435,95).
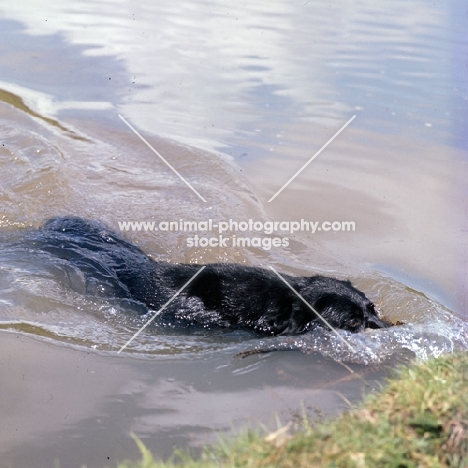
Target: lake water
(237,99)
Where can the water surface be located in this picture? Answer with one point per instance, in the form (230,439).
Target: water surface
(237,98)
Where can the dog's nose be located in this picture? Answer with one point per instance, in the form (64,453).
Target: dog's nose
(376,322)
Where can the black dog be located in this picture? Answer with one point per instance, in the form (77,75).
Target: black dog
(226,295)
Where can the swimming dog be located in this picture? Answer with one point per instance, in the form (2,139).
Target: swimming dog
(222,295)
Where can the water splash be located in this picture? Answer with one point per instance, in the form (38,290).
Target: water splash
(421,340)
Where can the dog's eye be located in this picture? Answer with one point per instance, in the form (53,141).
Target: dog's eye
(353,323)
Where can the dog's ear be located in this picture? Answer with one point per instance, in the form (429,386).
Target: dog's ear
(375,322)
(341,312)
(332,305)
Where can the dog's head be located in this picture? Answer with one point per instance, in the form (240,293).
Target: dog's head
(341,305)
(348,314)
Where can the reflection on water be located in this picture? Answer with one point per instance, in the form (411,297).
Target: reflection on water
(214,75)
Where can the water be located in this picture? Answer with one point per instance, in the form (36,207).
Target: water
(54,300)
(237,98)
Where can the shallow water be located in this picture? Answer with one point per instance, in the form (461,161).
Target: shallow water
(237,98)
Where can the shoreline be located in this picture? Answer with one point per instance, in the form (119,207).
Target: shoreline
(418,419)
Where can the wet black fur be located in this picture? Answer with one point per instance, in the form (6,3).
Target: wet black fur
(225,295)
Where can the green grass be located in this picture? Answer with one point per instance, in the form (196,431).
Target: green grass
(420,419)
